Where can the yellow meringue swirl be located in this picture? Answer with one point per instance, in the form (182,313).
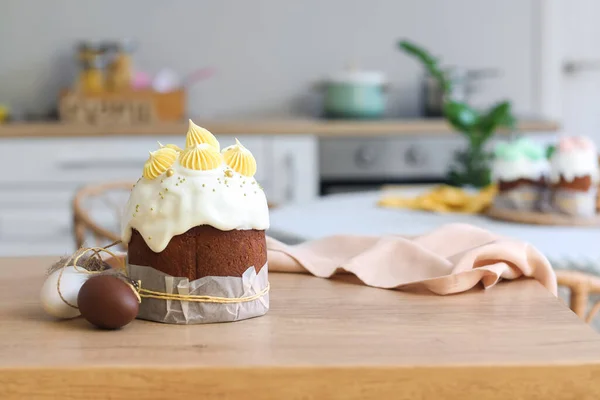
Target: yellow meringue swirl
(171,146)
(240,159)
(201,157)
(198,135)
(159,162)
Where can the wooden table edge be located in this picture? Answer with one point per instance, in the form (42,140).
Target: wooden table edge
(485,382)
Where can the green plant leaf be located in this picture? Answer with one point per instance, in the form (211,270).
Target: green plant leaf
(470,167)
(417,51)
(479,178)
(430,63)
(550,151)
(498,116)
(455,178)
(462,117)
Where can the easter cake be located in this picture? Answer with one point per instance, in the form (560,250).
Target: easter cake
(520,169)
(575,177)
(194,227)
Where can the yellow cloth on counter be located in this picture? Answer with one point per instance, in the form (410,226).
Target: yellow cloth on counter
(443,199)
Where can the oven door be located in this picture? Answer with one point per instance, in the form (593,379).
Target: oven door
(362,164)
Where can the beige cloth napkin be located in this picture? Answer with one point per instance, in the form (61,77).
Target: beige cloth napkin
(450,259)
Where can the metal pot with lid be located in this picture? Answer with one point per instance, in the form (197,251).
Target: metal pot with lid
(355,94)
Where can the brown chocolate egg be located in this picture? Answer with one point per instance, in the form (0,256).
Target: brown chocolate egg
(107,302)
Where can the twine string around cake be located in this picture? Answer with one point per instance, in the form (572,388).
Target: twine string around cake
(202,299)
(140,292)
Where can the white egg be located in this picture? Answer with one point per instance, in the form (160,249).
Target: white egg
(70,283)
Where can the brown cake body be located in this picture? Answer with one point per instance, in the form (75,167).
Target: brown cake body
(580,184)
(203,251)
(510,185)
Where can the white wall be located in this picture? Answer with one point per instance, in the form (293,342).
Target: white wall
(268,52)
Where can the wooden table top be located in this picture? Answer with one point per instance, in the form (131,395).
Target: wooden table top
(321,339)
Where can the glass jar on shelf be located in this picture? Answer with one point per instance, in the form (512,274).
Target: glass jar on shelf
(119,71)
(91,75)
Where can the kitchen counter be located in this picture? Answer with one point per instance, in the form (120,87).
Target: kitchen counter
(322,339)
(325,128)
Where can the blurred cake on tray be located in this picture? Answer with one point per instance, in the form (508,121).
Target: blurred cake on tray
(520,169)
(575,176)
(557,186)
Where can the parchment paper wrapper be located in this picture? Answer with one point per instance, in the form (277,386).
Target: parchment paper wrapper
(187,312)
(575,203)
(524,197)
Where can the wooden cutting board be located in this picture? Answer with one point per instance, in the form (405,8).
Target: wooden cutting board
(541,218)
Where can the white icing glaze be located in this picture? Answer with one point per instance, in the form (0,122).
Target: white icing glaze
(167,206)
(521,168)
(575,164)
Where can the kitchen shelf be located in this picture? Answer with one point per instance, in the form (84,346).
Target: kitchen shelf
(325,128)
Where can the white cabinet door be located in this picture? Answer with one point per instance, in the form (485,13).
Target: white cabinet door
(569,65)
(294,169)
(581,68)
(87,160)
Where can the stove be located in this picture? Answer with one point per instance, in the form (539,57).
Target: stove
(357,164)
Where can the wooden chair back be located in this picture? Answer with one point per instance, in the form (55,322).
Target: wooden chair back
(581,286)
(83,220)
